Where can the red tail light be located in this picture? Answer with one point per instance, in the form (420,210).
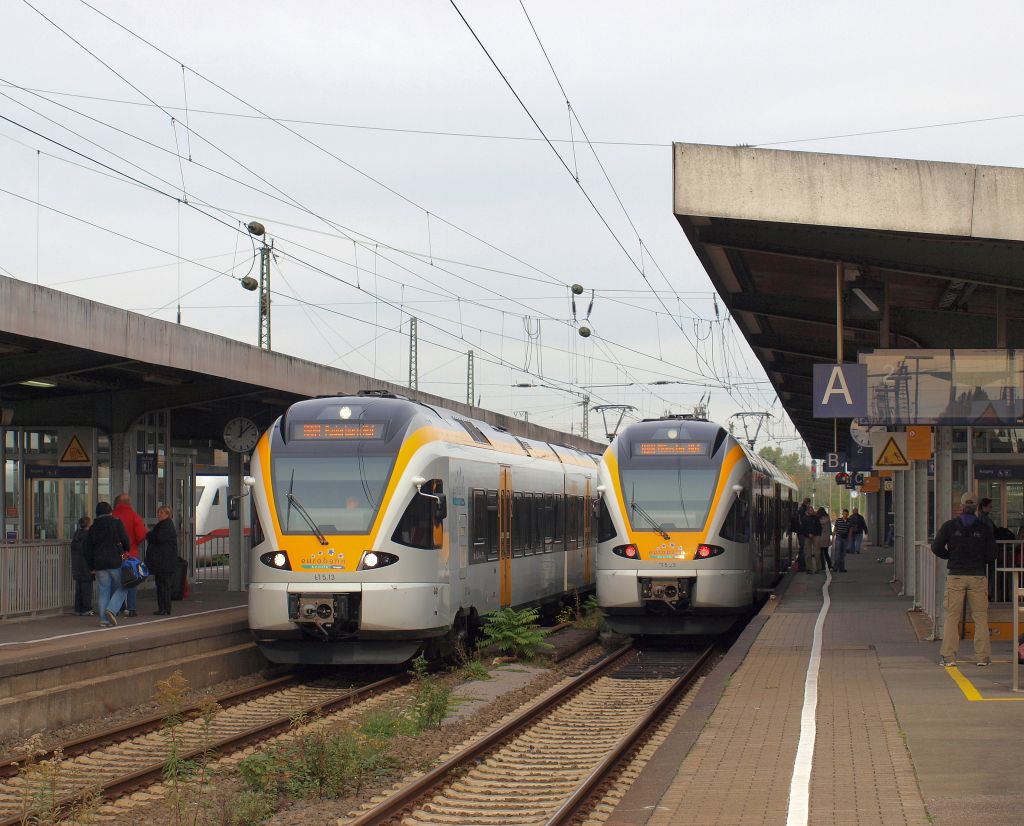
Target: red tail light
(627,551)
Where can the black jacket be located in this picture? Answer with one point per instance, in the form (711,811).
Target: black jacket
(79,567)
(969,548)
(810,525)
(162,547)
(106,542)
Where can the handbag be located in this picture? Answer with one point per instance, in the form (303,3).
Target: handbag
(133,572)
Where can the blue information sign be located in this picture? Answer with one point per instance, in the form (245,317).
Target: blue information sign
(840,391)
(998,471)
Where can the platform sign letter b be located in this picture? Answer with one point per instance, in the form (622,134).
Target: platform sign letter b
(840,390)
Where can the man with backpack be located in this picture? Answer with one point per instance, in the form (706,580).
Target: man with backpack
(969,546)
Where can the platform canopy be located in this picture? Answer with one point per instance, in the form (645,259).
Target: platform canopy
(928,255)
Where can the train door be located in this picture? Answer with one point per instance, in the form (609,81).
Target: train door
(588,531)
(505,535)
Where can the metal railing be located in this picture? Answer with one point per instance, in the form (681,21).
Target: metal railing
(926,565)
(35,577)
(1001,583)
(209,562)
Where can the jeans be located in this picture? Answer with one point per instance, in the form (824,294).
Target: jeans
(975,589)
(111,592)
(857,540)
(840,560)
(132,597)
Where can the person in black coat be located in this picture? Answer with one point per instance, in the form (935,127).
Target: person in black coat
(162,558)
(80,572)
(105,545)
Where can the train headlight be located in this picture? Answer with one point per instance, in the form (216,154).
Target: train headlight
(276,559)
(707,551)
(372,560)
(627,551)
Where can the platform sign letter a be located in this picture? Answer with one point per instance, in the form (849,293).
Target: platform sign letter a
(840,390)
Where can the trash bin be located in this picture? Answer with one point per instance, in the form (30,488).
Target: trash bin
(180,579)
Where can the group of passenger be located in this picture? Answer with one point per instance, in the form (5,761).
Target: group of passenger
(99,547)
(818,536)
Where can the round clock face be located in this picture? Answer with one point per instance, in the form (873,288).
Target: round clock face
(241,435)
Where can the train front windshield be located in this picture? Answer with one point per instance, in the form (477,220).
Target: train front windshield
(332,473)
(668,482)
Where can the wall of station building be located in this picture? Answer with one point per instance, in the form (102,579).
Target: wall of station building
(53,476)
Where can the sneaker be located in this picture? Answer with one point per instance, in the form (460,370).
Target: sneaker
(111,617)
(948,662)
(133,614)
(104,625)
(984,661)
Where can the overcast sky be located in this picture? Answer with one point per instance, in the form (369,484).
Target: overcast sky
(377,217)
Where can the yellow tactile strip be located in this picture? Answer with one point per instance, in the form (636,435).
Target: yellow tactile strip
(738,772)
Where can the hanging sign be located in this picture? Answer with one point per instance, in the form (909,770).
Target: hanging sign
(890,450)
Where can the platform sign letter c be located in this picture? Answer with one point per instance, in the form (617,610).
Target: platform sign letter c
(840,390)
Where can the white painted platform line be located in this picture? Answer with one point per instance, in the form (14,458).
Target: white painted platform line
(114,628)
(800,784)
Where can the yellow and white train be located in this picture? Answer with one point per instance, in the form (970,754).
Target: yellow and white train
(383,527)
(691,528)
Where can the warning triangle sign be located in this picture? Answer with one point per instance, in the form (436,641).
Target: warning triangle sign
(74,453)
(891,456)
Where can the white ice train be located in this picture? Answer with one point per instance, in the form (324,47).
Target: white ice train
(691,528)
(383,527)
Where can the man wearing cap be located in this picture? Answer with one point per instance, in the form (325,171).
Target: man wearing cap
(969,546)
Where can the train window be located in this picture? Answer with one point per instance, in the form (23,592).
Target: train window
(557,520)
(572,526)
(519,524)
(581,520)
(605,526)
(255,528)
(529,523)
(216,498)
(416,528)
(478,547)
(736,527)
(492,524)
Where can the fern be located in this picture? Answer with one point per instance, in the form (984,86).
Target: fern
(515,633)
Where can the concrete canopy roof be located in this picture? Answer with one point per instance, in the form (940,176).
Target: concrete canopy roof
(107,366)
(941,243)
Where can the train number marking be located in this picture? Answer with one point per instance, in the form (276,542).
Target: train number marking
(667,564)
(323,577)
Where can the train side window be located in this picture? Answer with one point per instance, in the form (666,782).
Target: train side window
(255,528)
(605,526)
(572,528)
(416,527)
(492,524)
(529,515)
(736,527)
(518,524)
(558,520)
(478,547)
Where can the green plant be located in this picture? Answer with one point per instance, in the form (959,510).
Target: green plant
(431,703)
(171,696)
(40,790)
(249,808)
(565,615)
(383,725)
(515,633)
(592,616)
(316,764)
(475,670)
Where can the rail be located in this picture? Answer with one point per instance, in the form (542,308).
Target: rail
(925,596)
(35,577)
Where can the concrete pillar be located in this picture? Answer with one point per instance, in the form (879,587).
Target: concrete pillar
(909,533)
(920,471)
(943,512)
(235,525)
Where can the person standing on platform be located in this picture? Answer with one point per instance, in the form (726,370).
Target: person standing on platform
(80,570)
(105,545)
(801,557)
(810,532)
(136,529)
(969,546)
(825,538)
(162,558)
(842,531)
(858,527)
(985,513)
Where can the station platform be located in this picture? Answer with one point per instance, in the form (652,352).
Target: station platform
(898,739)
(57,670)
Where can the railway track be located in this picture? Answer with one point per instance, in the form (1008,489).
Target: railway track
(117,762)
(543,765)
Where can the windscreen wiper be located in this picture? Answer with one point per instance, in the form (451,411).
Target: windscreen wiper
(293,499)
(650,519)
